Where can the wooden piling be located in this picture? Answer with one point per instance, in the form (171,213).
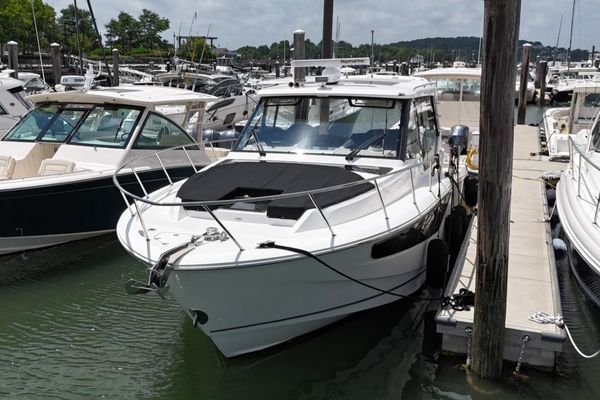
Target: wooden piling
(501,31)
(115,61)
(13,58)
(277,69)
(521,113)
(542,72)
(56,62)
(299,73)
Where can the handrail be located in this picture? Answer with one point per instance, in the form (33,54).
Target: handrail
(207,204)
(573,147)
(249,199)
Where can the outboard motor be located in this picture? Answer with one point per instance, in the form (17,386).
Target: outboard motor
(208,135)
(459,137)
(230,136)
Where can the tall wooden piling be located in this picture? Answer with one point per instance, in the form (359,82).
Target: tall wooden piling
(299,73)
(521,113)
(13,58)
(541,75)
(115,61)
(501,31)
(56,62)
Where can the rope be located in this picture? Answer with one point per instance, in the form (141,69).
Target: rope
(545,318)
(461,300)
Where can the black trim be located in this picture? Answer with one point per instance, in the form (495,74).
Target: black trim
(414,235)
(75,207)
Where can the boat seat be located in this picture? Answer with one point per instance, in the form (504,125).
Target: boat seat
(7,166)
(51,166)
(449,96)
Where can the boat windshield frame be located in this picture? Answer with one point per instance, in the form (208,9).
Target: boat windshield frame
(292,125)
(42,121)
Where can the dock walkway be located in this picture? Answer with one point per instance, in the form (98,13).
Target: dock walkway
(532,279)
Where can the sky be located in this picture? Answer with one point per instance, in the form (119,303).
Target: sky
(237,23)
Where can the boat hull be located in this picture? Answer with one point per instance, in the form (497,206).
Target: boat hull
(46,215)
(249,308)
(576,213)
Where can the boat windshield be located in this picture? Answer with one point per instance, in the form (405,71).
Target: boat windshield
(457,89)
(333,125)
(85,124)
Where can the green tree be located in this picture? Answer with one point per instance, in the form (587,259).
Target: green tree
(150,26)
(67,29)
(17,23)
(193,49)
(123,31)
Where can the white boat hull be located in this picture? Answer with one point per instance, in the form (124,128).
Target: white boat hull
(263,305)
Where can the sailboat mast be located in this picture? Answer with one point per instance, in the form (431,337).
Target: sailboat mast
(81,70)
(570,38)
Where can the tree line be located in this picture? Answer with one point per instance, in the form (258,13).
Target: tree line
(141,35)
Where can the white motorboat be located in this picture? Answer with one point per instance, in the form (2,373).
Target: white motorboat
(13,103)
(308,219)
(232,102)
(578,204)
(458,95)
(530,92)
(560,123)
(562,85)
(57,162)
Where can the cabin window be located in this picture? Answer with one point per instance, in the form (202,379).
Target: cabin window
(106,126)
(48,123)
(592,100)
(427,127)
(595,144)
(160,132)
(471,89)
(2,110)
(333,126)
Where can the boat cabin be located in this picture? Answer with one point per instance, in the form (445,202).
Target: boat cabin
(82,130)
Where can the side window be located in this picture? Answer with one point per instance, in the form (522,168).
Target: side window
(413,142)
(595,143)
(159,132)
(2,110)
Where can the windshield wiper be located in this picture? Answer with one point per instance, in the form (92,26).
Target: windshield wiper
(364,145)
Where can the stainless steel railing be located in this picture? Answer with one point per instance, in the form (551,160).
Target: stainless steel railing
(206,205)
(574,148)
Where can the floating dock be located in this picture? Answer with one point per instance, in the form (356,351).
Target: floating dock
(532,278)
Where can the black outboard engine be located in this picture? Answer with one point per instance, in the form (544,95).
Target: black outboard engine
(460,137)
(230,136)
(208,135)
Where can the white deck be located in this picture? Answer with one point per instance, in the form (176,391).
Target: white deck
(532,279)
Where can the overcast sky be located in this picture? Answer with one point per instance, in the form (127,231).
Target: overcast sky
(253,22)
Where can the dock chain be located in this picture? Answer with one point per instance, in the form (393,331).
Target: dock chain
(544,318)
(461,301)
(526,340)
(469,331)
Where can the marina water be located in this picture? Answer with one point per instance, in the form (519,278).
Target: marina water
(69,331)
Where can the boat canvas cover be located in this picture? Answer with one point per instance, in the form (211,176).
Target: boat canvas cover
(241,180)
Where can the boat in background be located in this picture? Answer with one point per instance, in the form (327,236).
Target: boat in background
(57,162)
(577,203)
(458,106)
(13,103)
(314,215)
(561,123)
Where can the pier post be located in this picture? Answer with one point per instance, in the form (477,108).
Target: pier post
(542,72)
(299,73)
(501,31)
(277,70)
(56,64)
(523,84)
(13,58)
(326,48)
(115,61)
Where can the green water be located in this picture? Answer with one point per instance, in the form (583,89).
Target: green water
(69,331)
